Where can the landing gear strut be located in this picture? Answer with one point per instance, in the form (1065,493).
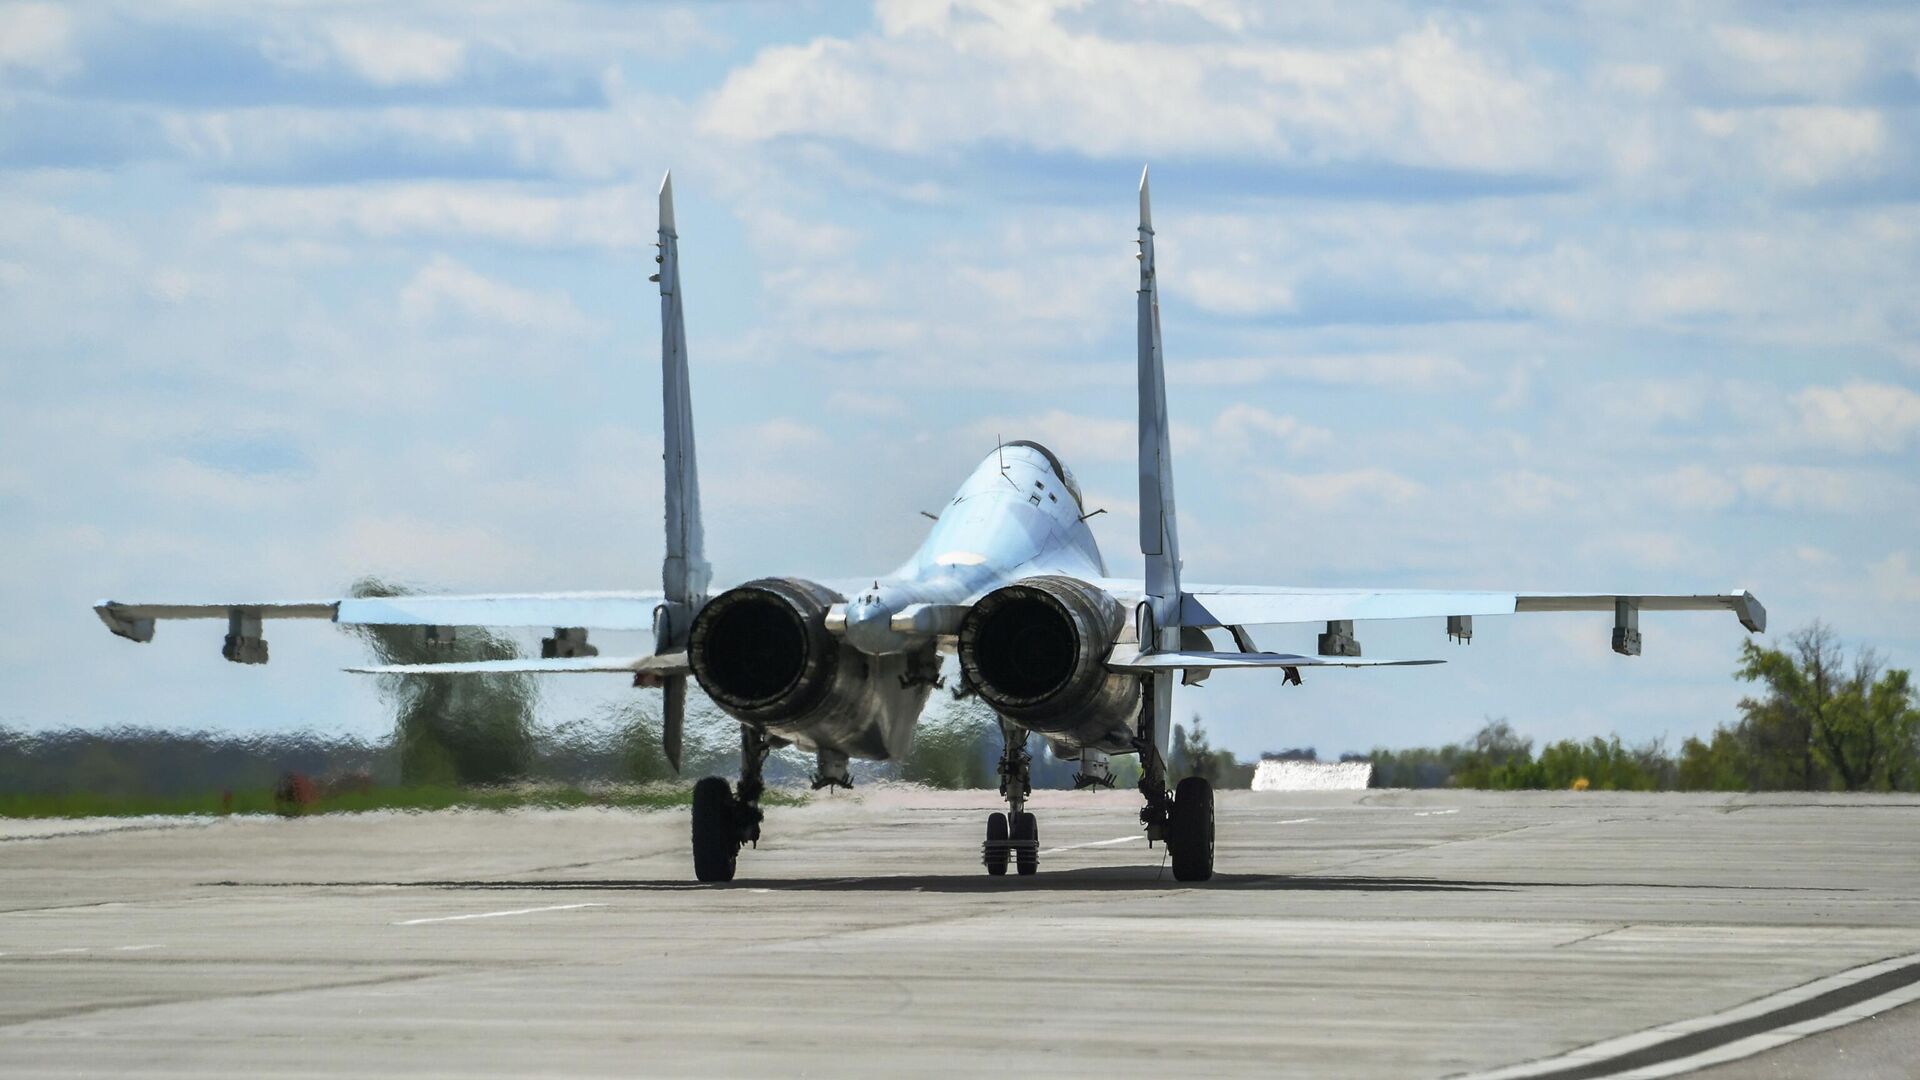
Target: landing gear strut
(725,818)
(1182,818)
(1014,833)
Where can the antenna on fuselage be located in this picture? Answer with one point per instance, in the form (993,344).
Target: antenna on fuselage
(1000,448)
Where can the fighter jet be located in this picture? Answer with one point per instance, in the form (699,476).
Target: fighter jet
(1009,579)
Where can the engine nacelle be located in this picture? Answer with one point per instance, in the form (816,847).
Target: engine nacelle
(762,652)
(1036,651)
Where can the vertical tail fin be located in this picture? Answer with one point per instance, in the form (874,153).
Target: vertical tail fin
(1159,617)
(685,573)
(1159,536)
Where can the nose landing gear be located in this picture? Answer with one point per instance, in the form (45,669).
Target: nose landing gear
(1015,835)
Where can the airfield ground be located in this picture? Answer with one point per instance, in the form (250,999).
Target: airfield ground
(1346,934)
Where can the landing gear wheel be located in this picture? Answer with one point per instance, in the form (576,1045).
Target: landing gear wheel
(1027,858)
(996,850)
(1190,830)
(716,837)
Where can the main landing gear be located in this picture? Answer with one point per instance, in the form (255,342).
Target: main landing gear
(1182,818)
(724,817)
(1014,835)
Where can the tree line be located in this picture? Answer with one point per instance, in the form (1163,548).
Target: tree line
(1817,720)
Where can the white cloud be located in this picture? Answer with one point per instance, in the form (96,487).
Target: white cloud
(1645,403)
(1786,489)
(1776,62)
(396,55)
(782,436)
(950,74)
(1859,416)
(502,213)
(1401,371)
(1234,291)
(36,37)
(1518,392)
(1249,428)
(790,239)
(1802,146)
(1896,579)
(1640,80)
(1690,290)
(1798,488)
(415,549)
(1694,488)
(1321,492)
(447,289)
(1528,492)
(864,403)
(175,481)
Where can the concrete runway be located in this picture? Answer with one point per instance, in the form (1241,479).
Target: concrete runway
(1346,934)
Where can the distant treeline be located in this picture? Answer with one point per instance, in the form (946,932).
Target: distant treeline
(1821,721)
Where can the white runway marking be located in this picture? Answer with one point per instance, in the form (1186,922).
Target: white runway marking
(62,952)
(1433,813)
(135,948)
(1758,1025)
(494,914)
(1093,843)
(1294,821)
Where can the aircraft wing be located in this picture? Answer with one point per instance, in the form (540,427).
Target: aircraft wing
(1240,605)
(587,610)
(1257,605)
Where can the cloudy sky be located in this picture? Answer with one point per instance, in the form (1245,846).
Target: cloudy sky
(295,292)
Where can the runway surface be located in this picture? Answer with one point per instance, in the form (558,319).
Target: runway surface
(1349,934)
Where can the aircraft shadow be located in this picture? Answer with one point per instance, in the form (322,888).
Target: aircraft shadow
(1102,879)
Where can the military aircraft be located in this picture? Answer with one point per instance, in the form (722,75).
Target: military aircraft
(1009,579)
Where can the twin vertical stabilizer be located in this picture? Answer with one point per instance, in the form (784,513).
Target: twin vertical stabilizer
(1159,617)
(685,573)
(1159,538)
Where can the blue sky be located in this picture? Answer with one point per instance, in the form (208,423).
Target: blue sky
(1612,298)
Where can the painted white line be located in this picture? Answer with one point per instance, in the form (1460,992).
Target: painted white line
(1433,813)
(494,914)
(1093,843)
(61,952)
(1296,821)
(1738,1048)
(135,948)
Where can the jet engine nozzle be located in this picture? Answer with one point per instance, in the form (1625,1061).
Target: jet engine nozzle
(1036,651)
(763,653)
(762,650)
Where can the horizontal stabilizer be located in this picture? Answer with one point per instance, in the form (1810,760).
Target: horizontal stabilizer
(1127,658)
(663,665)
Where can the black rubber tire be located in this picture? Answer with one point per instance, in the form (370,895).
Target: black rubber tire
(1028,861)
(716,843)
(1190,830)
(997,834)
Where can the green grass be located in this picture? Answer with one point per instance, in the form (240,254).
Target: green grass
(260,801)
